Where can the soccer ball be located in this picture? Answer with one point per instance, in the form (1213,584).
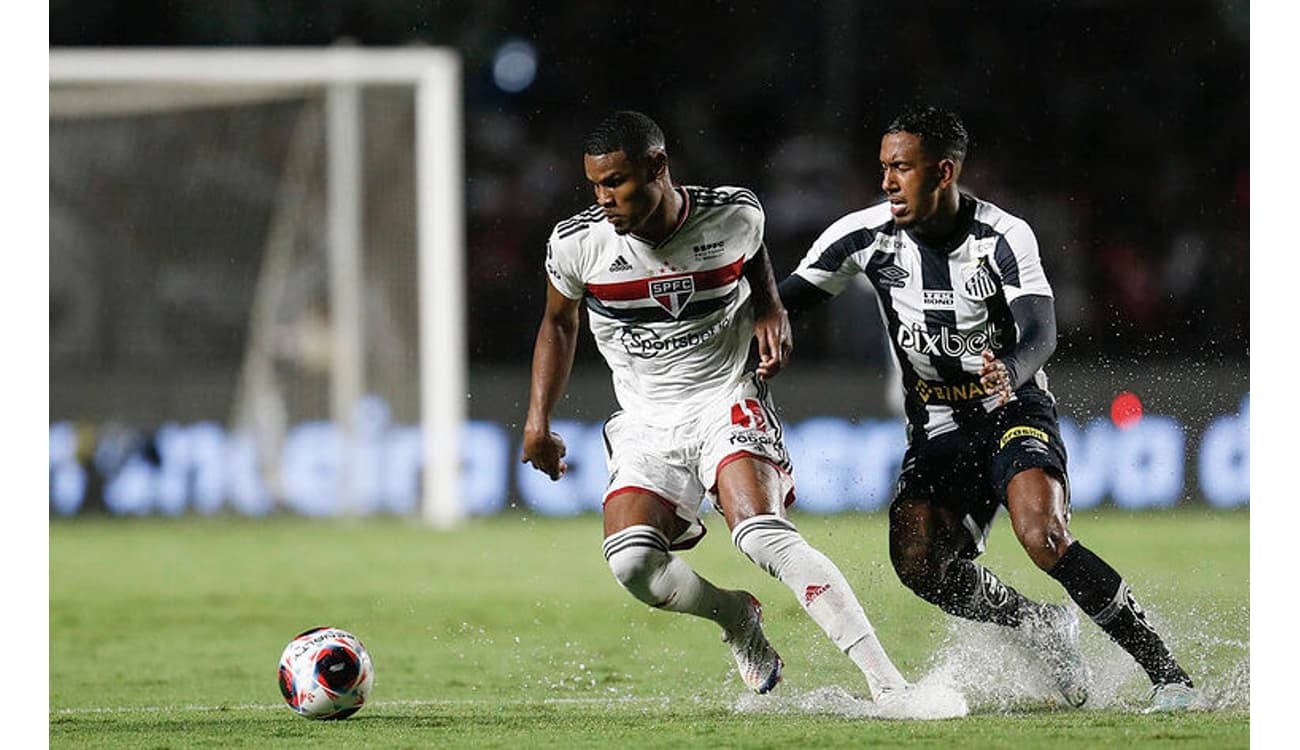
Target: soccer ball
(326,673)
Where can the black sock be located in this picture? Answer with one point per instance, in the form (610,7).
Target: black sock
(1105,597)
(972,592)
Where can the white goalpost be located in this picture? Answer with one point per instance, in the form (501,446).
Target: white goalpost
(107,81)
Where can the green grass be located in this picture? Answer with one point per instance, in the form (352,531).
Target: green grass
(166,633)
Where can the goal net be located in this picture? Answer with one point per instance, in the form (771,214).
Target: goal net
(261,251)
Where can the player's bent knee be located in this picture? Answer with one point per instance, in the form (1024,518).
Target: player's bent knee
(1045,541)
(636,571)
(637,557)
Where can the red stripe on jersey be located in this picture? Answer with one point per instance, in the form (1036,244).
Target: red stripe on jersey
(640,288)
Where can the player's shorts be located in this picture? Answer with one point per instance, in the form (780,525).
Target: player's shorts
(680,465)
(968,470)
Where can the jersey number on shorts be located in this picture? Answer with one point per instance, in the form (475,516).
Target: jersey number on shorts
(749,413)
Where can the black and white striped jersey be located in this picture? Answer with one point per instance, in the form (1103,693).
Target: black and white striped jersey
(943,306)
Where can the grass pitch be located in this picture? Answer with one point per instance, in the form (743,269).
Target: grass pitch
(166,633)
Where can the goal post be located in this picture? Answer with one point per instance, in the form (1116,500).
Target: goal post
(434,74)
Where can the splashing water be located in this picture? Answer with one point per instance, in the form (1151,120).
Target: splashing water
(979,665)
(927,700)
(998,675)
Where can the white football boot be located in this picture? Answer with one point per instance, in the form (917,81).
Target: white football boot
(758,663)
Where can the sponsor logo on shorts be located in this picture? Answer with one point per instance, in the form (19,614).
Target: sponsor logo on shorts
(1024,431)
(945,393)
(749,438)
(946,342)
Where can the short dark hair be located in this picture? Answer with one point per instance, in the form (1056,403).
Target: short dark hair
(941,131)
(630,132)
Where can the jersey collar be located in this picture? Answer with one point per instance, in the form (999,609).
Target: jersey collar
(960,229)
(682,215)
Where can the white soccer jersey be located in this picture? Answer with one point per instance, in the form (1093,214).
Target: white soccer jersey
(943,306)
(673,320)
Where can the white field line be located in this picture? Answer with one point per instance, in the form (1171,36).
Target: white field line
(74,711)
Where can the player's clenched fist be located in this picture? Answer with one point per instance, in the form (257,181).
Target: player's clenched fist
(996,378)
(545,450)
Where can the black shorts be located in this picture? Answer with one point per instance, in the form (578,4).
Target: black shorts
(968,470)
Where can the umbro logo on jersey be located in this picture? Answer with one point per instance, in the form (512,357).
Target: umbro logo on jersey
(620,264)
(892,275)
(673,294)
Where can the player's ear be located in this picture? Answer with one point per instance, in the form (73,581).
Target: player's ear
(948,169)
(656,163)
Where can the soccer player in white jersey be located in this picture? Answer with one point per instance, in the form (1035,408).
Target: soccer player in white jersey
(677,282)
(969,311)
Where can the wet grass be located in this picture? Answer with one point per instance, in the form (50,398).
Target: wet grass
(166,632)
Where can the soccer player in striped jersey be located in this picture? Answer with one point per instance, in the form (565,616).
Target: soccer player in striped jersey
(969,312)
(677,283)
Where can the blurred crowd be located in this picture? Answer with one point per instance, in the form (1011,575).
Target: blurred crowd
(1120,131)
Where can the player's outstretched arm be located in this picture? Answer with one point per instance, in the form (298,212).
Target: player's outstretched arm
(771,324)
(557,339)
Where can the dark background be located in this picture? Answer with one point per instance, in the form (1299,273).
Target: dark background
(1119,130)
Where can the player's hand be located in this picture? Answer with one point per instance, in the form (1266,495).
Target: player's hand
(995,377)
(775,342)
(545,450)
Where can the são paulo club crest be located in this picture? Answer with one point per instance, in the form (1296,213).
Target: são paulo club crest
(673,294)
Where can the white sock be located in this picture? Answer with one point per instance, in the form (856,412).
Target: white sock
(776,546)
(640,560)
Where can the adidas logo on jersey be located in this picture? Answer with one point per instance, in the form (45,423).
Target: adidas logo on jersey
(620,264)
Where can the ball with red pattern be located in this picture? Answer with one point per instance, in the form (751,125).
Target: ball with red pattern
(326,673)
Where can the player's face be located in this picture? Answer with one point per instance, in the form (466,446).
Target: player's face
(625,189)
(912,181)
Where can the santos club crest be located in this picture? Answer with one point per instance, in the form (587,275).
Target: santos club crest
(978,283)
(673,294)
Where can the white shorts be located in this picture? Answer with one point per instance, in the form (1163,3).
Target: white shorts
(680,465)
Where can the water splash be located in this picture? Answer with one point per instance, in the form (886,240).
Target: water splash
(929,699)
(997,675)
